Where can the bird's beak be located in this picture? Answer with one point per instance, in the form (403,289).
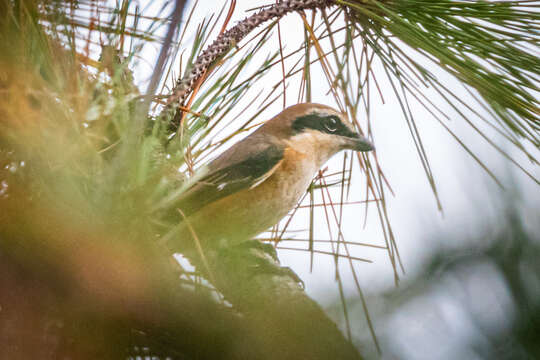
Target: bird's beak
(357,142)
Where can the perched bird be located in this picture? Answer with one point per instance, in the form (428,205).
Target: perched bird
(257,181)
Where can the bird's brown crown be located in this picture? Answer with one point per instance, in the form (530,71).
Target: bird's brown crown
(296,118)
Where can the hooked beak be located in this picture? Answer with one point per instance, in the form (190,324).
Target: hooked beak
(357,142)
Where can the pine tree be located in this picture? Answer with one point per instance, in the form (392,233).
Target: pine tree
(91,163)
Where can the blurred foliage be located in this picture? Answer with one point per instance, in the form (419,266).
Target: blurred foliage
(79,276)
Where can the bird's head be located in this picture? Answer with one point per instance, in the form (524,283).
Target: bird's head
(319,127)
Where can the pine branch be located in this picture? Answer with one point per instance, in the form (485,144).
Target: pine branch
(288,323)
(225,41)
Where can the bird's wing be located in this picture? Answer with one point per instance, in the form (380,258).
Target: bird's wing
(245,173)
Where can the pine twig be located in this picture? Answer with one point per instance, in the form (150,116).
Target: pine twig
(228,39)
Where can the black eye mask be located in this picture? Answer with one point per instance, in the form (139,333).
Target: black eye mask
(329,124)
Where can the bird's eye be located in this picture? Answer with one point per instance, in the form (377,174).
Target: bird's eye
(331,124)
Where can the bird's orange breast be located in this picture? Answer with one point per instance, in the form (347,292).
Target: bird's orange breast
(249,212)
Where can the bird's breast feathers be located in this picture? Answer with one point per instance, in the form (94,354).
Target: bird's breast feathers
(244,199)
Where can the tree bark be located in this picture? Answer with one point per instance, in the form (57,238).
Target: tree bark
(288,323)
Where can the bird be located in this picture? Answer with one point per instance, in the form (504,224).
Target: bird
(256,182)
